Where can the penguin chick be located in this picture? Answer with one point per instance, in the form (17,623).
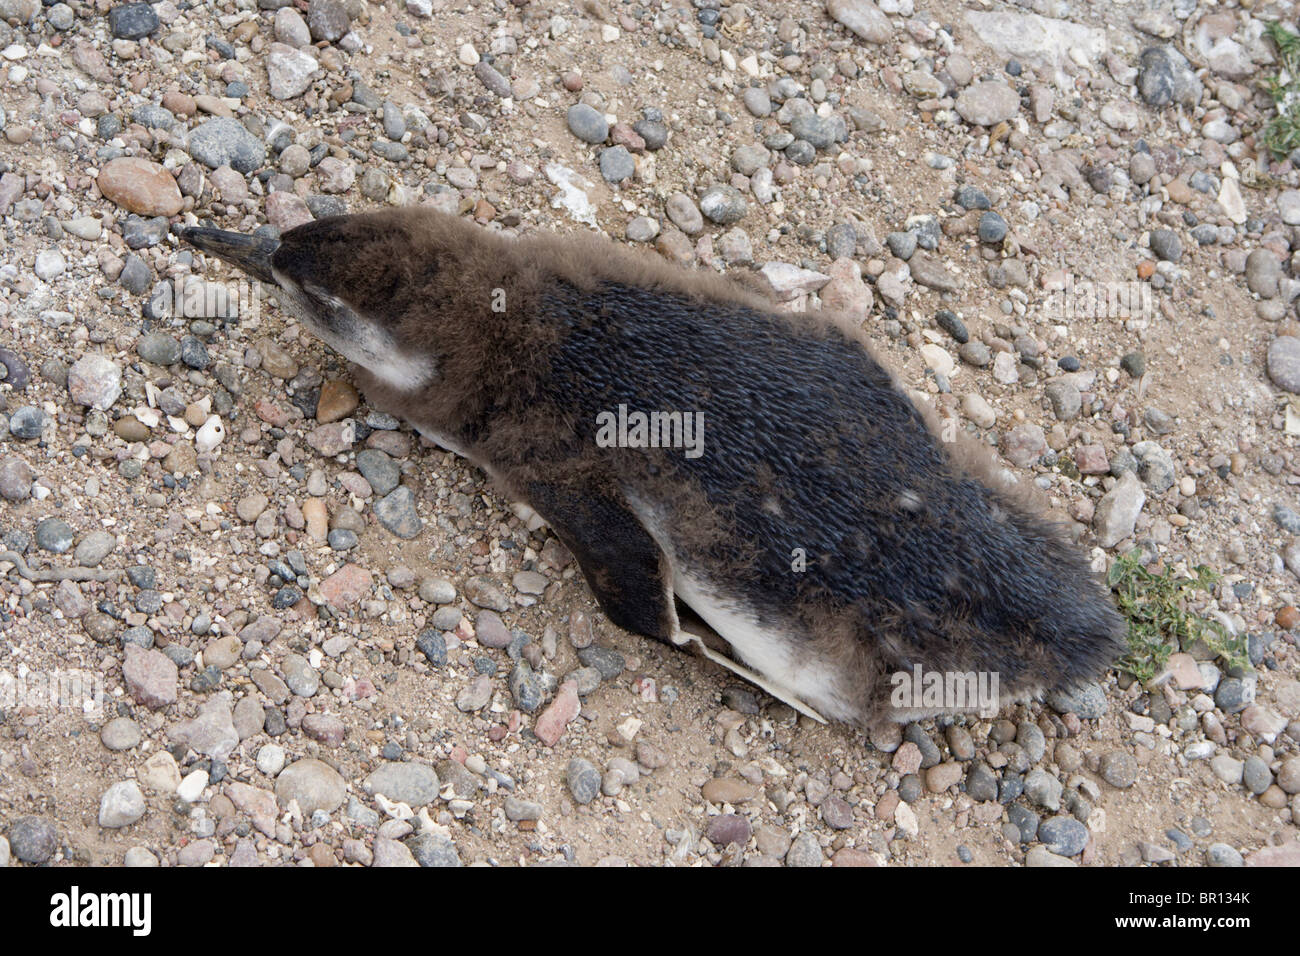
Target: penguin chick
(784,488)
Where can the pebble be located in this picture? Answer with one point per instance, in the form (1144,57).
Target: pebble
(1222,855)
(299,676)
(992,228)
(1165,77)
(15,479)
(1118,768)
(616,164)
(381,472)
(805,851)
(95,381)
(723,205)
(414,784)
(120,733)
(434,850)
(728,828)
(54,535)
(987,103)
(583,779)
(396,511)
(270,759)
(587,123)
(289,70)
(484,592)
(555,718)
(476,695)
(866,21)
(121,805)
(1118,510)
(140,186)
(314,784)
(33,839)
(132,21)
(158,348)
(683,213)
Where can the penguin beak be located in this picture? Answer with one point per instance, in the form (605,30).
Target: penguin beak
(250,253)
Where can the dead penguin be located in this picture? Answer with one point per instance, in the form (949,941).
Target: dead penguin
(689,442)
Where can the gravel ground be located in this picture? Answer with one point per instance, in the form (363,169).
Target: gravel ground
(323,641)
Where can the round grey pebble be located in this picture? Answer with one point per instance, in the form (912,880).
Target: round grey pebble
(841,241)
(158,348)
(616,164)
(583,780)
(587,123)
(1025,821)
(33,839)
(723,205)
(1166,245)
(132,21)
(1087,702)
(969,197)
(805,851)
(608,661)
(1256,775)
(121,805)
(437,591)
(1283,363)
(94,548)
(120,733)
(820,131)
(1064,836)
(757,101)
(1119,769)
(224,141)
(992,227)
(342,539)
(1222,855)
(28,422)
(653,131)
(54,535)
(434,850)
(15,479)
(902,244)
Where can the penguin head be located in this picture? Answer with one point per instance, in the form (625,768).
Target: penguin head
(349,280)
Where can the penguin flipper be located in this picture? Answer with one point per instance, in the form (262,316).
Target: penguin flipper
(622,563)
(776,690)
(629,573)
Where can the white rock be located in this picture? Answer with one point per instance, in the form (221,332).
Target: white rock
(210,435)
(1230,199)
(1288,205)
(1118,511)
(192,786)
(50,264)
(121,805)
(789,281)
(938,359)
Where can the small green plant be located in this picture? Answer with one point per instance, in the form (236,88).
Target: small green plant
(1158,620)
(1282,134)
